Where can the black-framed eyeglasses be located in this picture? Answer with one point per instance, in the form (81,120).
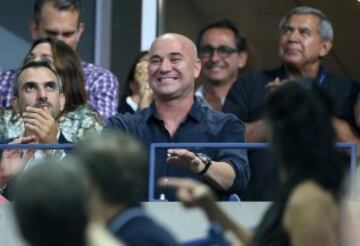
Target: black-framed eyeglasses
(223,51)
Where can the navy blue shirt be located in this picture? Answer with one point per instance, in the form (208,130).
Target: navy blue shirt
(136,228)
(202,124)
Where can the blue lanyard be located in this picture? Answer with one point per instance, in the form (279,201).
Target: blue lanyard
(320,79)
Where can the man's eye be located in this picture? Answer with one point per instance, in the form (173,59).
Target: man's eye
(29,87)
(225,50)
(206,49)
(51,34)
(175,59)
(155,61)
(68,34)
(50,86)
(305,32)
(286,30)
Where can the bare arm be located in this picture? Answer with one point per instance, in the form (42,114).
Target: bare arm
(344,133)
(220,174)
(195,194)
(255,131)
(311,217)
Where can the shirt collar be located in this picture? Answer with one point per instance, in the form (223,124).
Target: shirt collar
(195,111)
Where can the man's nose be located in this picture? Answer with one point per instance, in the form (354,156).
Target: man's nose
(165,65)
(214,56)
(294,36)
(42,93)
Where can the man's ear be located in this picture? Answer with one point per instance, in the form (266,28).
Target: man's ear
(34,29)
(325,48)
(242,59)
(62,101)
(197,68)
(80,31)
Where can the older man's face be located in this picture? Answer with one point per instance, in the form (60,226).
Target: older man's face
(300,44)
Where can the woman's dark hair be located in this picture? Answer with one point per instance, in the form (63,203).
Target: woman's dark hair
(303,138)
(68,65)
(125,90)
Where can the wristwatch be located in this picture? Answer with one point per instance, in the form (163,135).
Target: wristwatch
(206,160)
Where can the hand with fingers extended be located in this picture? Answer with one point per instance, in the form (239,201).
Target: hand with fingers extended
(276,83)
(185,159)
(14,160)
(190,192)
(40,123)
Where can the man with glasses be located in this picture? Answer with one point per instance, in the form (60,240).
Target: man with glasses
(222,50)
(306,37)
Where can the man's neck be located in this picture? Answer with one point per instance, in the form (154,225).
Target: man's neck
(215,93)
(173,112)
(309,71)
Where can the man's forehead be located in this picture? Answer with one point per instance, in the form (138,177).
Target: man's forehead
(308,20)
(169,46)
(37,75)
(50,16)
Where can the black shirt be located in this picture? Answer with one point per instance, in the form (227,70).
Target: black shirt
(246,99)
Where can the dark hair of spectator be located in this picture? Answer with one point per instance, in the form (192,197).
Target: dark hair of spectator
(302,135)
(50,204)
(35,64)
(62,5)
(117,165)
(68,65)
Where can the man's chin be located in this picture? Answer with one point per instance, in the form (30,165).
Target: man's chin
(215,78)
(292,61)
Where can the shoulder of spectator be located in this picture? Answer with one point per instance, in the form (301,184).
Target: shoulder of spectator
(309,205)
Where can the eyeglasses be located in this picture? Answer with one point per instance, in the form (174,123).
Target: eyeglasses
(223,51)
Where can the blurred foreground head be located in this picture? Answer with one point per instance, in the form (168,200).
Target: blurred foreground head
(302,136)
(50,204)
(117,167)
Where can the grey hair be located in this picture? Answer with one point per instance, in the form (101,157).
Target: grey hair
(34,64)
(325,28)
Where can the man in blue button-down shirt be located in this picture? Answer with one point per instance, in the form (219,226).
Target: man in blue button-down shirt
(175,116)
